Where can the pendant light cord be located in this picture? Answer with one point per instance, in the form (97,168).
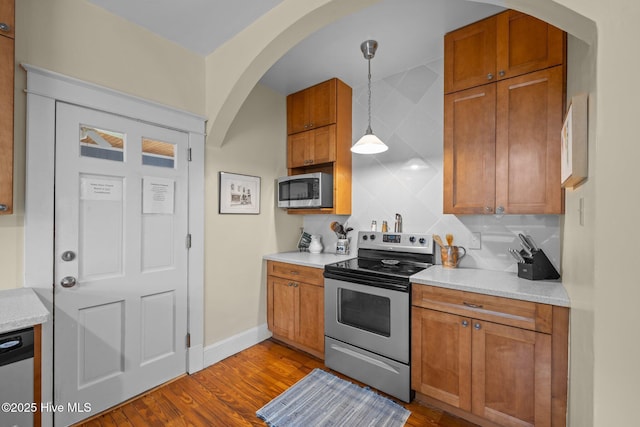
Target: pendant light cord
(369,131)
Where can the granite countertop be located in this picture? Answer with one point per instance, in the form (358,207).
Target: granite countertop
(20,308)
(307,259)
(497,283)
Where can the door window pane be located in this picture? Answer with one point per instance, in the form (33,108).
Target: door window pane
(101,144)
(158,153)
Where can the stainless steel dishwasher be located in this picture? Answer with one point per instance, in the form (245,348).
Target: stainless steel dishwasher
(16,378)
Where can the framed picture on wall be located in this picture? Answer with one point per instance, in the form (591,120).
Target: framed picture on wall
(239,194)
(573,150)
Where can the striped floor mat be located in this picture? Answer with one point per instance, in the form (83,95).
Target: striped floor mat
(322,399)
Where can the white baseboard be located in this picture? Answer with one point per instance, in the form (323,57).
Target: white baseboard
(235,344)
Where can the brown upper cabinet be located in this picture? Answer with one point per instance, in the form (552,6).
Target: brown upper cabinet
(500,47)
(316,146)
(7,33)
(312,107)
(502,138)
(319,140)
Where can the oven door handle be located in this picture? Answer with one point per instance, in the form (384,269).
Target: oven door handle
(364,358)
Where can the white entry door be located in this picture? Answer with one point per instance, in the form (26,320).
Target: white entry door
(121,225)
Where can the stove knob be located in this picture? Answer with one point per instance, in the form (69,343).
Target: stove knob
(372,237)
(412,239)
(365,237)
(422,240)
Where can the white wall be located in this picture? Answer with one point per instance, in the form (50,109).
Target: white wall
(407,114)
(235,291)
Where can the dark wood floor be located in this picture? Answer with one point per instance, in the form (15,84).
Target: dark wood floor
(230,392)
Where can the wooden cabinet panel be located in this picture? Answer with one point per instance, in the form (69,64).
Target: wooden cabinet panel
(470,56)
(313,147)
(469,151)
(283,307)
(6,121)
(7,19)
(511,378)
(296,272)
(295,305)
(527,44)
(506,45)
(310,318)
(529,120)
(441,357)
(312,107)
(512,312)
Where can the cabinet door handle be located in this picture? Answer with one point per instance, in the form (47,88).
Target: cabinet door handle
(465,323)
(500,209)
(501,73)
(488,209)
(490,76)
(4,27)
(3,207)
(477,326)
(471,305)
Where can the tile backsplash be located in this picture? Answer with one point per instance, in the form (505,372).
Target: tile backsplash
(407,114)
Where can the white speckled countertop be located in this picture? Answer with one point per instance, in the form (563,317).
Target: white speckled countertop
(497,283)
(307,259)
(20,308)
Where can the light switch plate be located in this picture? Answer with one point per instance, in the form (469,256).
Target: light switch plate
(476,240)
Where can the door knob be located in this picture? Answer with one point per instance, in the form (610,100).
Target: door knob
(68,282)
(68,256)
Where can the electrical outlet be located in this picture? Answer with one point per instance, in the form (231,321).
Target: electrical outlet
(476,240)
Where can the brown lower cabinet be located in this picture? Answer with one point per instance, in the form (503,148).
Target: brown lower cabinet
(492,360)
(295,306)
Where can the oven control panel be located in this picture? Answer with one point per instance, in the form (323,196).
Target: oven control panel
(402,242)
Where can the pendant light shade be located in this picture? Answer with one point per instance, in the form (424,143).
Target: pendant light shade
(369,143)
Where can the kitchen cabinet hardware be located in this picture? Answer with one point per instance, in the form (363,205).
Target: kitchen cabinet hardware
(477,326)
(5,27)
(465,323)
(489,76)
(501,73)
(471,305)
(3,207)
(500,210)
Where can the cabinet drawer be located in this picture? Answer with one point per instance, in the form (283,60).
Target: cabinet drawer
(298,273)
(506,311)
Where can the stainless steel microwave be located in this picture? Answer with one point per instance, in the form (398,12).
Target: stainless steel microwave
(309,190)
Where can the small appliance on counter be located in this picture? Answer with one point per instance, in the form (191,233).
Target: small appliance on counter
(305,191)
(533,264)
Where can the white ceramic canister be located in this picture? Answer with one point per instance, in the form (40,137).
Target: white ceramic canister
(342,247)
(315,247)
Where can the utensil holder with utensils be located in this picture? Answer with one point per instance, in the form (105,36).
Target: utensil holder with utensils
(537,266)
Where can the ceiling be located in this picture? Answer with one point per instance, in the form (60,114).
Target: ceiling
(409,33)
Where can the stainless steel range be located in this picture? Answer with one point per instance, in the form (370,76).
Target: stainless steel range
(367,310)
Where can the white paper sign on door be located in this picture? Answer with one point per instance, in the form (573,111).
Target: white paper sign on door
(100,189)
(157,195)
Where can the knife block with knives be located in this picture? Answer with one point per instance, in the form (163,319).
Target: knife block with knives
(533,263)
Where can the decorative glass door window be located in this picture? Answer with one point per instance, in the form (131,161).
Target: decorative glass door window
(101,144)
(158,153)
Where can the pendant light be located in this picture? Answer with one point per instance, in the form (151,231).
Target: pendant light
(369,143)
